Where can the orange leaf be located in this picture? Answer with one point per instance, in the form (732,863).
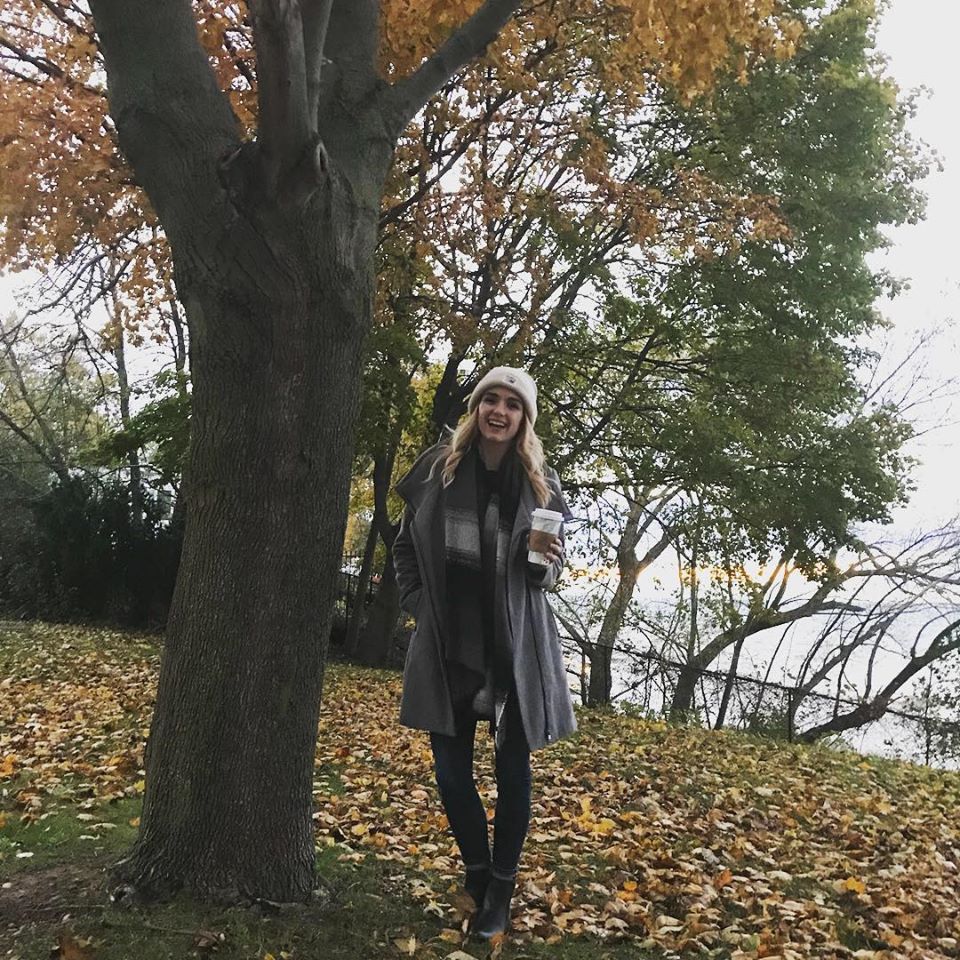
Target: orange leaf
(722,878)
(70,949)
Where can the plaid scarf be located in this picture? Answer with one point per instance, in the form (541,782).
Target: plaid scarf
(461,520)
(478,654)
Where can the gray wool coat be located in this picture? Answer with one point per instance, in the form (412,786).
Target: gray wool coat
(420,559)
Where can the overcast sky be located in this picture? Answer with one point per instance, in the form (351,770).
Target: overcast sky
(919,38)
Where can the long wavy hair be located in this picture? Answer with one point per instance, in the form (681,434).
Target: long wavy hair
(528,446)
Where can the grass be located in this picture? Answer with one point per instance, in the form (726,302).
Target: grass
(64,834)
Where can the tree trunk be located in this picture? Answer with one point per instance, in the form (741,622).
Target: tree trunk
(729,685)
(374,644)
(683,692)
(601,657)
(273,244)
(601,678)
(373,649)
(227,810)
(123,387)
(358,609)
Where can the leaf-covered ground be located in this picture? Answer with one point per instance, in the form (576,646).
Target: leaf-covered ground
(681,841)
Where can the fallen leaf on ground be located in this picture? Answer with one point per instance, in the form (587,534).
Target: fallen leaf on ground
(68,948)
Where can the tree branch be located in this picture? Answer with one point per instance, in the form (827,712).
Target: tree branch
(315,17)
(351,46)
(173,121)
(288,82)
(468,41)
(946,641)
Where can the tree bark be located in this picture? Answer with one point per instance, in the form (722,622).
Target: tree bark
(277,293)
(229,766)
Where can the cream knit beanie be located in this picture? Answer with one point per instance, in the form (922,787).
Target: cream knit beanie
(519,381)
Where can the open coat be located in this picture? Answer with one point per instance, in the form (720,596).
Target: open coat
(420,558)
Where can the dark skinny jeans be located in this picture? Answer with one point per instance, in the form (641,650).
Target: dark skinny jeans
(453,762)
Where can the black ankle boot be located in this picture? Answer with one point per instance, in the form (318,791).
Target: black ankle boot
(494,917)
(476,882)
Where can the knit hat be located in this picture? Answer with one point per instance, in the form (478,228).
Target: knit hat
(519,381)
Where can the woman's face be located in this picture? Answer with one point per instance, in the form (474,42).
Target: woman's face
(499,415)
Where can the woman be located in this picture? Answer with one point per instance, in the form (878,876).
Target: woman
(485,645)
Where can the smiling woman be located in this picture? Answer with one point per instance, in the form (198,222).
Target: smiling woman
(486,645)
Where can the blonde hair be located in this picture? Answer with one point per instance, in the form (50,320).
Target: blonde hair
(529,450)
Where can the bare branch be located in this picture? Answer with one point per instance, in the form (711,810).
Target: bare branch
(153,56)
(946,641)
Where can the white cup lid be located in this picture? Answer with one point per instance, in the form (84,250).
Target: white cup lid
(547,514)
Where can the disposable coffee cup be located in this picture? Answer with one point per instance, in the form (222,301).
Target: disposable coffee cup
(544,529)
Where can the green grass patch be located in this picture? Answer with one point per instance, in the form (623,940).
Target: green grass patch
(66,833)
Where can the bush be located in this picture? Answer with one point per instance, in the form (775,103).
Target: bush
(78,553)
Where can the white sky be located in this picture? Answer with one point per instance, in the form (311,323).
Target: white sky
(919,38)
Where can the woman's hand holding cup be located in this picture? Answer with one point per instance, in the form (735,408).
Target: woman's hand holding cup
(543,544)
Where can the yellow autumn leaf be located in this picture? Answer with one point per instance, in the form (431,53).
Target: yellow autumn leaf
(406,945)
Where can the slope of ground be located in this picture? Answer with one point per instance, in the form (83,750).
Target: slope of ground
(647,840)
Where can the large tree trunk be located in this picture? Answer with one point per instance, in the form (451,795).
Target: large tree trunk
(229,767)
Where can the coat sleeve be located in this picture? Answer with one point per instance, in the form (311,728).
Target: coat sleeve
(546,578)
(407,568)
